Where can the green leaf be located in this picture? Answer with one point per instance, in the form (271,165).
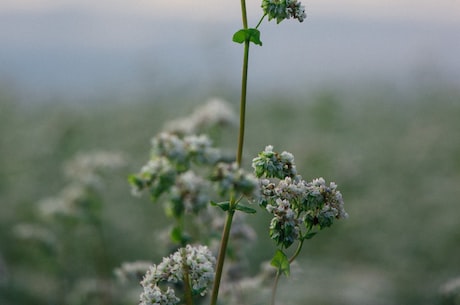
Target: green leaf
(180,237)
(135,181)
(176,235)
(310,235)
(223,205)
(252,35)
(240,36)
(281,262)
(245,209)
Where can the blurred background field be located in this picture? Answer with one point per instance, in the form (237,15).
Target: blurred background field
(363,93)
(395,156)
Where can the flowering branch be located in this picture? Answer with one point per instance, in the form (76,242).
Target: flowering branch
(300,209)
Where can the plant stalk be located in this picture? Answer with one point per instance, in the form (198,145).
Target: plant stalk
(239,157)
(188,290)
(275,286)
(278,274)
(221,255)
(297,251)
(244,83)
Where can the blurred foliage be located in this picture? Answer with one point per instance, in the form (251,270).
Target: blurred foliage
(395,157)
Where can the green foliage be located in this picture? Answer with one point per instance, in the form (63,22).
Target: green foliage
(225,205)
(251,34)
(245,209)
(281,262)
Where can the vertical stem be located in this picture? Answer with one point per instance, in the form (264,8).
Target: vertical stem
(187,289)
(221,256)
(239,157)
(278,274)
(244,14)
(275,286)
(244,83)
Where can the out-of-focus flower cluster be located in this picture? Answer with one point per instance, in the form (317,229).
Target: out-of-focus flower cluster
(188,168)
(132,270)
(283,9)
(230,177)
(297,206)
(87,168)
(173,168)
(450,292)
(85,173)
(70,220)
(215,112)
(195,264)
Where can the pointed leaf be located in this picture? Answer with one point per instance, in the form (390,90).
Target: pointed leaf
(254,36)
(281,262)
(310,235)
(245,209)
(223,205)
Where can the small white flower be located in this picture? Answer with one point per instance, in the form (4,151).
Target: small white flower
(268,149)
(197,261)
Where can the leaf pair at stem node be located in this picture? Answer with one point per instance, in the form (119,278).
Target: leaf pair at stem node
(251,35)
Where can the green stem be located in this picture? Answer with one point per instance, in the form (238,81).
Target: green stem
(244,83)
(278,274)
(239,157)
(221,256)
(260,21)
(275,286)
(297,251)
(244,15)
(187,289)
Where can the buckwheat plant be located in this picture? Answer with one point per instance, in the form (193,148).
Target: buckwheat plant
(192,177)
(67,224)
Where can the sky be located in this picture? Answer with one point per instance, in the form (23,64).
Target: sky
(429,10)
(85,47)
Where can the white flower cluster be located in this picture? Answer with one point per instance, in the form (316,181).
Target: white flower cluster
(283,9)
(170,167)
(86,167)
(331,199)
(85,173)
(190,191)
(195,262)
(214,112)
(153,295)
(232,178)
(35,232)
(274,165)
(285,225)
(295,10)
(294,202)
(183,150)
(158,175)
(67,203)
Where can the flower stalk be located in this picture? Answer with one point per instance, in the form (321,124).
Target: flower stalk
(221,256)
(239,157)
(299,208)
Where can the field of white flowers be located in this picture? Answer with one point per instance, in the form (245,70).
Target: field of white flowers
(395,156)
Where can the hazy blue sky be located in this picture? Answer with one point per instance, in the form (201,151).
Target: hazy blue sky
(89,46)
